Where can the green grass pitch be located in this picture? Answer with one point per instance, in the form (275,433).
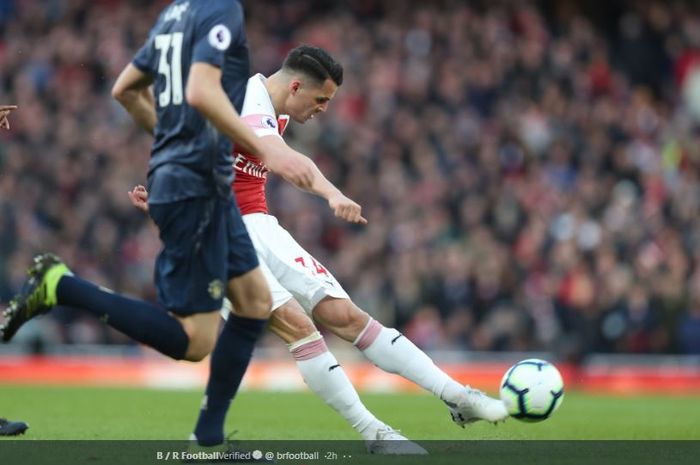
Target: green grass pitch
(143,414)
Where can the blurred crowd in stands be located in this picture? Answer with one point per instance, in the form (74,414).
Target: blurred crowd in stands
(530,170)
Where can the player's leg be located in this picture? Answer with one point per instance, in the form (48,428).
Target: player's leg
(249,291)
(185,270)
(385,347)
(50,283)
(391,351)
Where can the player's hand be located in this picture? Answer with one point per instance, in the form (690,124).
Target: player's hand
(4,113)
(139,198)
(347,209)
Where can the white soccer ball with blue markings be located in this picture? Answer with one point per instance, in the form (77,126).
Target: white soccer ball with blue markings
(532,390)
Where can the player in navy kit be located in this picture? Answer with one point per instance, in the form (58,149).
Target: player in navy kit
(196,59)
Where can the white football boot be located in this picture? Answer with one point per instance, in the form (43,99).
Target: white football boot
(474,405)
(391,442)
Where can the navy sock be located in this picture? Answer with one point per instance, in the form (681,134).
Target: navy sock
(229,362)
(142,321)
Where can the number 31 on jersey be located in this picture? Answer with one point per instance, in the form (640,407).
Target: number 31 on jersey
(170,69)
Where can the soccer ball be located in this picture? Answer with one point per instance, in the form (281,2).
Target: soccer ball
(532,390)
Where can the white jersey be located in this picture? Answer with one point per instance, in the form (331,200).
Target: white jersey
(251,174)
(290,270)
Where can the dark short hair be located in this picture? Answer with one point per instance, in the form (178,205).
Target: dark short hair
(315,63)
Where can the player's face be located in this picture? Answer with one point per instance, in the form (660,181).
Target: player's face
(309,98)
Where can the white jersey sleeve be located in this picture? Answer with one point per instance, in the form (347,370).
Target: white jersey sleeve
(258,112)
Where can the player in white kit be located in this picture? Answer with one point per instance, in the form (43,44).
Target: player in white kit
(303,288)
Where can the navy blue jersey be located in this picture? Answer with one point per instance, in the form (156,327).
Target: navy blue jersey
(190,158)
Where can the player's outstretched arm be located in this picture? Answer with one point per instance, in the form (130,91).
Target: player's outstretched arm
(4,114)
(343,207)
(204,92)
(132,90)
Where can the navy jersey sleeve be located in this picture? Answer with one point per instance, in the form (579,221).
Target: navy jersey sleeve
(145,58)
(217,31)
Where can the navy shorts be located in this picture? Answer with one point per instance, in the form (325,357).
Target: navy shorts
(205,243)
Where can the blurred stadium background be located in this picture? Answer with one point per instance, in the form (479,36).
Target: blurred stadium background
(530,171)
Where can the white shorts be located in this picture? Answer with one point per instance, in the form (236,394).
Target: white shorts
(290,270)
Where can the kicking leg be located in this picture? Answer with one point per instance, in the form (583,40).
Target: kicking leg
(388,349)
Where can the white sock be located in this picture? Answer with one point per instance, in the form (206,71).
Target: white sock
(325,377)
(393,352)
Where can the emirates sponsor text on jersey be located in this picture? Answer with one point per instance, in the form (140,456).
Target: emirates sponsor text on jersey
(243,164)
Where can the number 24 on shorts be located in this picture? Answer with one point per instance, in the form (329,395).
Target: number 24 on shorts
(317,268)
